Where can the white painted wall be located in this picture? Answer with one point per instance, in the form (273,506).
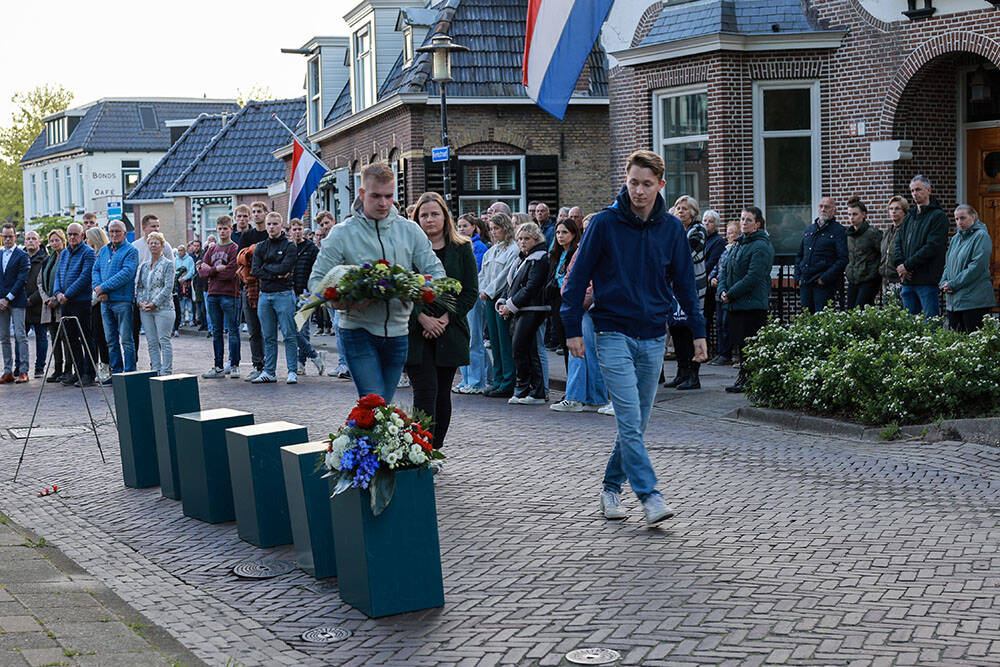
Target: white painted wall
(890,10)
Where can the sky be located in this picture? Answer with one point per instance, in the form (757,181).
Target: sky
(184,48)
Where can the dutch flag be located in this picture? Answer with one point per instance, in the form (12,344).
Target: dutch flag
(560,35)
(307,171)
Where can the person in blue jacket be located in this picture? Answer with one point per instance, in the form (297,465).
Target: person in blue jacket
(113,279)
(638,258)
(822,258)
(72,292)
(14,267)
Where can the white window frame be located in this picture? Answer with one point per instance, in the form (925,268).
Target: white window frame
(759,135)
(68,173)
(79,185)
(315,96)
(522,186)
(34,197)
(408,51)
(659,141)
(362,99)
(57,189)
(45,191)
(56,131)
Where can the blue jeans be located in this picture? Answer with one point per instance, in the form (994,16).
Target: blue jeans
(306,350)
(375,362)
(222,313)
(543,355)
(921,299)
(480,368)
(277,310)
(335,323)
(631,370)
(584,382)
(815,296)
(117,318)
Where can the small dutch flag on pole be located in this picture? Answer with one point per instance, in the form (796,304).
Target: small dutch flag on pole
(307,171)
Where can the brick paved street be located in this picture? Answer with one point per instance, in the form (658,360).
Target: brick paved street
(786,547)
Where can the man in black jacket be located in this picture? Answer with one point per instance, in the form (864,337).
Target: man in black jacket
(38,256)
(305,257)
(273,266)
(822,258)
(921,246)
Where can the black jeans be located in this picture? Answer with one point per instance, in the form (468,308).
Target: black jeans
(815,296)
(683,339)
(709,313)
(98,341)
(527,363)
(60,350)
(862,294)
(432,390)
(742,325)
(256,336)
(966,321)
(81,311)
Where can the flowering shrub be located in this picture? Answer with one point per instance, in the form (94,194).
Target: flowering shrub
(875,366)
(377,439)
(379,281)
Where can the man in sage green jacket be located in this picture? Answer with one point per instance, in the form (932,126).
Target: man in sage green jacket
(374,337)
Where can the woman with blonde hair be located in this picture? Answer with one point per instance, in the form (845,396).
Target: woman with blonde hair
(96,238)
(61,358)
(154,290)
(492,279)
(897,208)
(439,336)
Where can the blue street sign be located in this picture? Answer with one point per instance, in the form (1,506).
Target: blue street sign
(114,210)
(440,154)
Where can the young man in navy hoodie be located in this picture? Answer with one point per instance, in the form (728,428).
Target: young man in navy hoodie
(638,258)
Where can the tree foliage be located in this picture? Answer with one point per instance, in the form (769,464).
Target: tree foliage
(15,139)
(257,92)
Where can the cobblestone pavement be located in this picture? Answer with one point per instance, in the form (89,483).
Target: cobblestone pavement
(786,547)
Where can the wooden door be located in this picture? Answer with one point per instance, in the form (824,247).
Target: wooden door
(983,178)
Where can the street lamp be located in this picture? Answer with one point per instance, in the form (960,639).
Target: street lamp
(442,47)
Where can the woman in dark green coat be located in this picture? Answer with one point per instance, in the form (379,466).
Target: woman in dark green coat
(745,284)
(864,253)
(439,336)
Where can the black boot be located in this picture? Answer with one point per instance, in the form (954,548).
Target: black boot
(741,383)
(692,381)
(682,376)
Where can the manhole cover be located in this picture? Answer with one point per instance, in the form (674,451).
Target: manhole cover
(46,431)
(326,635)
(262,569)
(593,656)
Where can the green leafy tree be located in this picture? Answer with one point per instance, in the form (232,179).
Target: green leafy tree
(15,139)
(256,92)
(48,223)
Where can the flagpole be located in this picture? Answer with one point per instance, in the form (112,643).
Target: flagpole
(295,136)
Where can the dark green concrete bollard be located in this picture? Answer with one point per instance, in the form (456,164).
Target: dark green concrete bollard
(171,395)
(134,413)
(258,481)
(203,462)
(309,508)
(390,563)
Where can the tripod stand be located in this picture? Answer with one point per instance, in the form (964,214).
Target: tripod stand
(63,337)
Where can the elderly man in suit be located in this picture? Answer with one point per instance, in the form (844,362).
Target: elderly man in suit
(14,268)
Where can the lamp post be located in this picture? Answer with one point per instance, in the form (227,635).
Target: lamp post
(442,47)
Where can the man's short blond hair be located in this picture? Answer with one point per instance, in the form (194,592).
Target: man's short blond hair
(273,214)
(242,208)
(647,160)
(260,204)
(377,172)
(90,215)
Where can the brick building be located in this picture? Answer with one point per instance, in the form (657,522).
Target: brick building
(385,107)
(777,102)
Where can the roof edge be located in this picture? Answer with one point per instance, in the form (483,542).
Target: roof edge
(723,41)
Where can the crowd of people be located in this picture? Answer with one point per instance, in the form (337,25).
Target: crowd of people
(602,289)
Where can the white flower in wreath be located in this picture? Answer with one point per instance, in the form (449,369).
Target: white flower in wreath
(393,429)
(408,437)
(332,461)
(379,415)
(417,454)
(397,420)
(392,458)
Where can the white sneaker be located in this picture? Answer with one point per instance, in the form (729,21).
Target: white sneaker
(567,405)
(459,389)
(404,381)
(611,505)
(103,372)
(234,372)
(292,378)
(513,400)
(608,409)
(656,509)
(253,375)
(214,373)
(301,370)
(587,407)
(319,361)
(264,378)
(531,400)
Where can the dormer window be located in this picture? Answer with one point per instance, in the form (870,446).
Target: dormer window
(362,70)
(315,103)
(147,118)
(56,131)
(407,46)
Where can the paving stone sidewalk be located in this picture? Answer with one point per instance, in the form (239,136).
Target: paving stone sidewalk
(52,612)
(787,547)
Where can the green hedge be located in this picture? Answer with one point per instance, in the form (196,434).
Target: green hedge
(875,366)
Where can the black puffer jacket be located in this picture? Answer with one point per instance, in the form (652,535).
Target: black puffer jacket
(305,257)
(922,243)
(274,263)
(526,281)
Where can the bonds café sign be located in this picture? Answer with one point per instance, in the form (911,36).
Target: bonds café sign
(104,183)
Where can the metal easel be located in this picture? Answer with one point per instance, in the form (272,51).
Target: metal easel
(62,336)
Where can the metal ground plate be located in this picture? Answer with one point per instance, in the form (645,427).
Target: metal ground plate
(46,431)
(263,569)
(326,635)
(593,656)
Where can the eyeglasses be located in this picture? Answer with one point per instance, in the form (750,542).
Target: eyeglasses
(73,234)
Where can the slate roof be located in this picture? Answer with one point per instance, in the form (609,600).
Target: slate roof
(239,157)
(115,125)
(494,31)
(184,151)
(739,17)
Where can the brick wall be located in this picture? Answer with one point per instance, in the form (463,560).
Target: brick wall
(900,79)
